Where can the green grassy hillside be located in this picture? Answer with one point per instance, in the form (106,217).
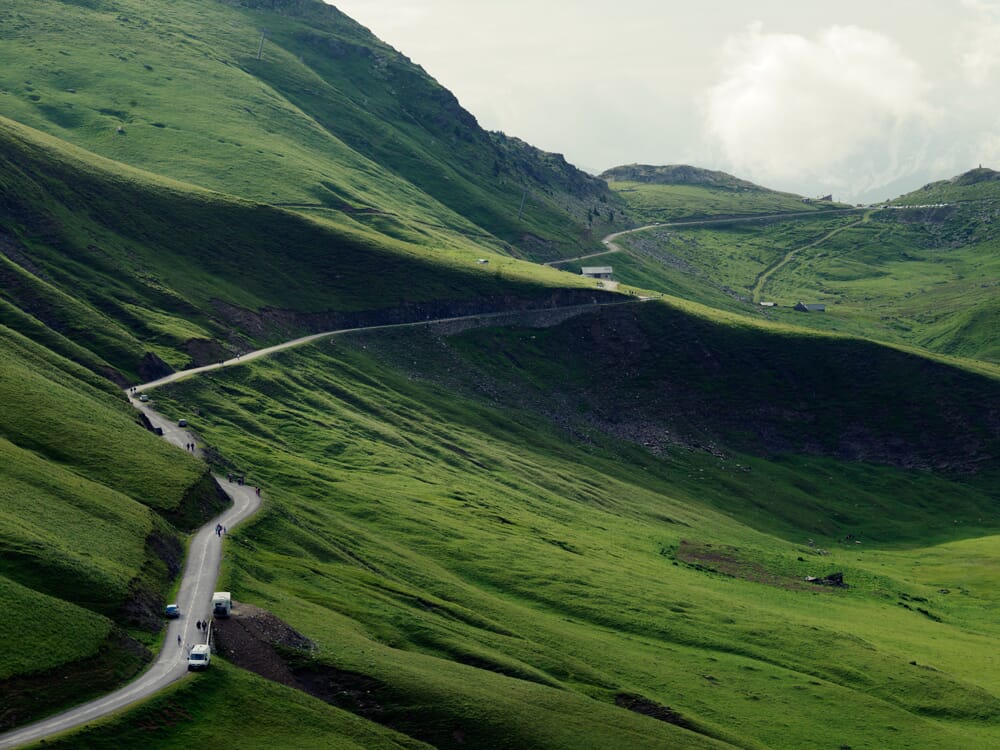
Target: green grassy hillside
(214,709)
(922,276)
(140,271)
(501,556)
(329,118)
(88,546)
(678,192)
(594,534)
(977,185)
(688,380)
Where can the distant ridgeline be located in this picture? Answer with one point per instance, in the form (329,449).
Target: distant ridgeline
(678,174)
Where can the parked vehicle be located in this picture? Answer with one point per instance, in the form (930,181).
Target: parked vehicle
(182,423)
(143,397)
(200,656)
(222,603)
(172,611)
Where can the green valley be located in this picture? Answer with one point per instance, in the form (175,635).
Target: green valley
(504,505)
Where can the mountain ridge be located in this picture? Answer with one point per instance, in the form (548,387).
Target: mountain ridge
(678,174)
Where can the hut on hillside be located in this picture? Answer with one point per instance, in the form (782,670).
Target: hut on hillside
(596,272)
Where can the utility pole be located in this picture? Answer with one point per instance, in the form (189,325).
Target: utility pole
(260,47)
(520,211)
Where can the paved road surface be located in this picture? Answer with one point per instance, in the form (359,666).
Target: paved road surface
(202,568)
(182,374)
(194,598)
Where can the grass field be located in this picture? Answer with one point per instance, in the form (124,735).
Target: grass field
(474,562)
(650,202)
(920,277)
(330,118)
(84,493)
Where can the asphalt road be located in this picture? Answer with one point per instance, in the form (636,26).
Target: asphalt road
(202,568)
(194,598)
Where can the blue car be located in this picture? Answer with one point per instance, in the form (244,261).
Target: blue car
(172,611)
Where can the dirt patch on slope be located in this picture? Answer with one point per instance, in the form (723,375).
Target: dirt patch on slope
(257,640)
(646,707)
(731,562)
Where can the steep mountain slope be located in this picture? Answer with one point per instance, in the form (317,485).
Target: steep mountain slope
(88,531)
(595,530)
(470,531)
(679,380)
(328,119)
(484,550)
(130,274)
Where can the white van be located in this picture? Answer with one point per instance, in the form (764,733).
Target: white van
(200,656)
(222,603)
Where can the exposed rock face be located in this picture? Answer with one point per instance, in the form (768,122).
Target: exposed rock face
(834,579)
(205,351)
(152,367)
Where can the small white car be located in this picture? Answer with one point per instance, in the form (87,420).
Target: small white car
(143,397)
(200,656)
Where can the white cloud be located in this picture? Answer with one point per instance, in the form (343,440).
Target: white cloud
(788,107)
(981,56)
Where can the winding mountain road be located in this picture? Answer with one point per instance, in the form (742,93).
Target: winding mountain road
(609,241)
(205,550)
(201,571)
(204,556)
(195,600)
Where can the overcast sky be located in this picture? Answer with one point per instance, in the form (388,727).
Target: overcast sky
(860,98)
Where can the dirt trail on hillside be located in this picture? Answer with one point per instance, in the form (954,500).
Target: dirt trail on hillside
(767,273)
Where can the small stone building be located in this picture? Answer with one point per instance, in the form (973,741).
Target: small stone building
(597,272)
(810,307)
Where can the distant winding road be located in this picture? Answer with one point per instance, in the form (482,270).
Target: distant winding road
(613,247)
(201,570)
